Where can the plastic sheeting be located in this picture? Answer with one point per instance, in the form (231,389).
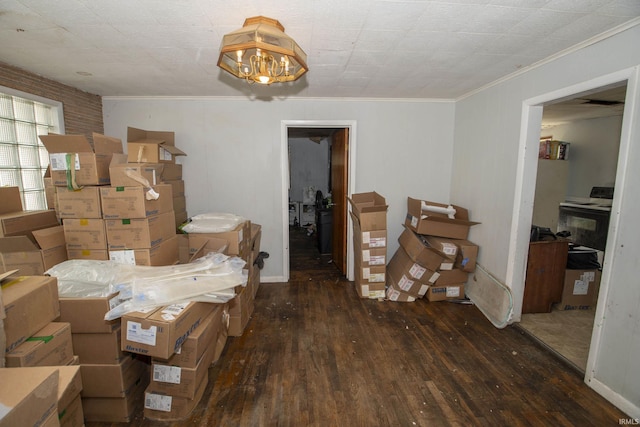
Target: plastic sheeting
(211,278)
(212,223)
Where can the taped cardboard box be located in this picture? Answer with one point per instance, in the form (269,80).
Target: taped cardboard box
(30,302)
(403,281)
(14,221)
(580,290)
(85,233)
(28,395)
(99,349)
(452,277)
(177,187)
(161,407)
(371,290)
(20,253)
(112,380)
(367,239)
(140,233)
(442,293)
(420,252)
(239,240)
(462,251)
(178,381)
(202,338)
(124,174)
(437,224)
(165,253)
(395,293)
(50,346)
(86,314)
(69,405)
(115,409)
(401,263)
(72,414)
(161,332)
(171,171)
(240,310)
(370,209)
(82,203)
(151,146)
(133,202)
(73,158)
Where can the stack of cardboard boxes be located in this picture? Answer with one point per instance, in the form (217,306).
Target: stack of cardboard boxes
(369,217)
(434,258)
(36,340)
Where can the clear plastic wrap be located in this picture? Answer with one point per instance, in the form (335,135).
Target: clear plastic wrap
(212,223)
(211,278)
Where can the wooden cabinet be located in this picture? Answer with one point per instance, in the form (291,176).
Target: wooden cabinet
(546,264)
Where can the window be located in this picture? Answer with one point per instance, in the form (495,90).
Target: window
(23,158)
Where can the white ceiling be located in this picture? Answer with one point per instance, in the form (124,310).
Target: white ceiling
(356,48)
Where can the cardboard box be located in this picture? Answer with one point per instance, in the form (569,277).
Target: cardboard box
(371,290)
(165,253)
(240,310)
(239,240)
(372,257)
(124,174)
(467,255)
(452,277)
(50,346)
(179,203)
(131,202)
(151,146)
(178,381)
(177,187)
(404,282)
(181,218)
(89,165)
(112,380)
(99,349)
(85,233)
(161,332)
(162,407)
(203,337)
(28,396)
(394,293)
(171,172)
(579,289)
(140,233)
(442,293)
(82,203)
(69,388)
(20,253)
(72,414)
(370,209)
(437,224)
(115,409)
(368,275)
(86,315)
(402,264)
(30,303)
(94,254)
(183,248)
(443,245)
(203,244)
(421,253)
(16,222)
(367,239)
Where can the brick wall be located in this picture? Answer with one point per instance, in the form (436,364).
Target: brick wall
(82,110)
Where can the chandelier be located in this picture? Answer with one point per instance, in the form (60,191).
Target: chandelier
(260,52)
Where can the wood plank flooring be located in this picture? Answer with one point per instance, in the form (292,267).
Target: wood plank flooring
(314,354)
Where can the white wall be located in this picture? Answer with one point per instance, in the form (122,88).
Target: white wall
(593,155)
(488,154)
(233,146)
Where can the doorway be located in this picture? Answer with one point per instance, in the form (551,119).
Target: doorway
(324,136)
(571,333)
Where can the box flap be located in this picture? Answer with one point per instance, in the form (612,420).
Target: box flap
(17,244)
(11,201)
(118,159)
(368,202)
(66,143)
(107,144)
(175,151)
(49,237)
(135,135)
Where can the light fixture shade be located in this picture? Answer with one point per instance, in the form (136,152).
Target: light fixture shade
(261,52)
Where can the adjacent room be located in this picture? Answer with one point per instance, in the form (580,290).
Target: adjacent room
(320,213)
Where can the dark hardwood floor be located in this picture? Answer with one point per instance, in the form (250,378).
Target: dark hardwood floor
(314,354)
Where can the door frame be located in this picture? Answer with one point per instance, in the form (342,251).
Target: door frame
(531,121)
(284,169)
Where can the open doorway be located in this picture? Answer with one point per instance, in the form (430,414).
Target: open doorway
(574,190)
(315,188)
